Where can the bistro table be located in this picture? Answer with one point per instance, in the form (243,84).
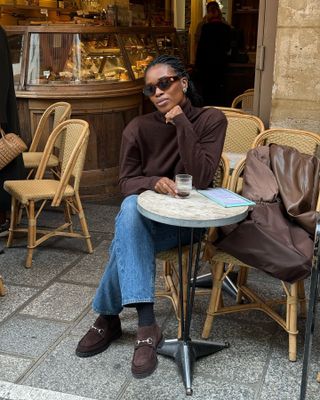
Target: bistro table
(196,211)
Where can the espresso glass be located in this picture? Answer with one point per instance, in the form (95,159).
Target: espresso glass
(183,185)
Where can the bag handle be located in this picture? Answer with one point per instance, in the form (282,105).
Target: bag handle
(3,134)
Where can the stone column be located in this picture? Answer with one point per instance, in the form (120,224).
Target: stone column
(296,88)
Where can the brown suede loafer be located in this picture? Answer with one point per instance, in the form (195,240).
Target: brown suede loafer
(145,360)
(99,336)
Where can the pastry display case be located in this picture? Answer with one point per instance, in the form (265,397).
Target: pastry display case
(99,70)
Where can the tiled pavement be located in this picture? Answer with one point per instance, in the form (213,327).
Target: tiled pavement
(47,310)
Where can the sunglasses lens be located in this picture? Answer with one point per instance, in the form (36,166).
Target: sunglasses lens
(149,90)
(164,83)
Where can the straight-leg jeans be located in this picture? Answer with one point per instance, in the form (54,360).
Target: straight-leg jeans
(130,272)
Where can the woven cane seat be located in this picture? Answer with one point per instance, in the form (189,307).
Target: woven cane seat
(39,189)
(227,258)
(32,159)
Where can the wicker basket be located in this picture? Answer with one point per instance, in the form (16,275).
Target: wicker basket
(11,145)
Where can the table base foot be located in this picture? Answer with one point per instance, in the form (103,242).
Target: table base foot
(185,353)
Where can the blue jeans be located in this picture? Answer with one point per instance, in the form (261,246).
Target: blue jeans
(130,273)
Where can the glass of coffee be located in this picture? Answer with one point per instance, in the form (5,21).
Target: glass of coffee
(183,185)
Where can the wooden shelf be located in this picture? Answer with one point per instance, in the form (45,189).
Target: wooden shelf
(25,7)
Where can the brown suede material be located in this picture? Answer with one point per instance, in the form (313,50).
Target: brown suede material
(144,360)
(99,337)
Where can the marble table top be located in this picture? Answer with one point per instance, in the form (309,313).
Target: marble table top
(196,211)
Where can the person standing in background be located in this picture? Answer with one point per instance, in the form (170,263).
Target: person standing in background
(9,122)
(211,57)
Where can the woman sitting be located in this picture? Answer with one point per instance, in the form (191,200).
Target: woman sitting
(177,138)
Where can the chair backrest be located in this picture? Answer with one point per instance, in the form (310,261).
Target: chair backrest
(75,133)
(304,141)
(241,131)
(222,173)
(60,112)
(245,100)
(227,110)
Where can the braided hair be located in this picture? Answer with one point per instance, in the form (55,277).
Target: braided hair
(177,65)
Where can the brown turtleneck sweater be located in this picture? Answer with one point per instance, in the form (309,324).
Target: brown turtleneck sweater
(152,149)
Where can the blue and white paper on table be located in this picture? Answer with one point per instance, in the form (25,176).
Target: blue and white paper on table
(226,198)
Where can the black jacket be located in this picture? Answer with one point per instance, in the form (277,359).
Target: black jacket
(8,118)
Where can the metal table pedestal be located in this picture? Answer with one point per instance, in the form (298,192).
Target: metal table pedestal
(185,353)
(184,350)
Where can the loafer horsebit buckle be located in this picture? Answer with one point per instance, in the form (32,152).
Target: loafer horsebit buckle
(100,331)
(147,341)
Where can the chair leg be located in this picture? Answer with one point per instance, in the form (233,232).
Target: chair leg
(292,314)
(83,223)
(31,233)
(2,288)
(302,299)
(172,290)
(241,280)
(217,273)
(13,220)
(67,216)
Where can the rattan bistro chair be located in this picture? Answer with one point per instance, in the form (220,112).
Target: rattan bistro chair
(170,257)
(58,112)
(242,130)
(30,193)
(245,101)
(305,142)
(227,110)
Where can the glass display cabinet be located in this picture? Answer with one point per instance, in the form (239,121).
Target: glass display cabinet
(99,71)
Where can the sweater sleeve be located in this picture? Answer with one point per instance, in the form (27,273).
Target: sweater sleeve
(131,178)
(200,152)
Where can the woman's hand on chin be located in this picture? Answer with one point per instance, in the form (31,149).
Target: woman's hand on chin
(176,110)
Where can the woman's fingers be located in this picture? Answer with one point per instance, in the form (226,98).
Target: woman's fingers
(165,186)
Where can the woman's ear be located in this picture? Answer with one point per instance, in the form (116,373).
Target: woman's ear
(184,83)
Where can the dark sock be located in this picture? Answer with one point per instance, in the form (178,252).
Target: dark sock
(109,317)
(145,314)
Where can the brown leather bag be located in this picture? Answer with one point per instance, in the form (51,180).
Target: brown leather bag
(277,236)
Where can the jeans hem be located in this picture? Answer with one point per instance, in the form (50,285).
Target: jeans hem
(103,312)
(135,301)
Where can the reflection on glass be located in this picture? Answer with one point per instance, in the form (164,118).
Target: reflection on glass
(141,50)
(75,58)
(168,44)
(15,45)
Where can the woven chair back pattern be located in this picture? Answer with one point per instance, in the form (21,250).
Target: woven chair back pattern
(72,135)
(241,132)
(76,141)
(304,141)
(246,100)
(59,112)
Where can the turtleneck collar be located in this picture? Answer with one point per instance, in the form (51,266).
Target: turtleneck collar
(186,107)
